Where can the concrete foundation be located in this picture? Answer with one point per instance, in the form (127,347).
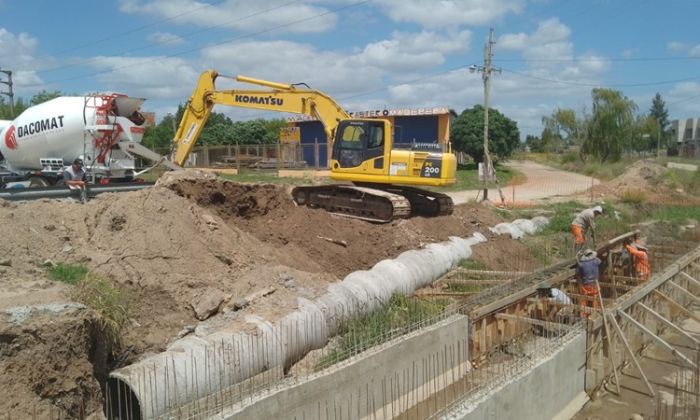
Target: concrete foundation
(553,389)
(379,384)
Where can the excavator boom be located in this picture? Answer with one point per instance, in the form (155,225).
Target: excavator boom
(282,98)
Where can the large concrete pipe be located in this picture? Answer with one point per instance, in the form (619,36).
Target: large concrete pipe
(194,367)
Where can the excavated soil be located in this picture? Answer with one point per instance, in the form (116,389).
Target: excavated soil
(190,246)
(648,179)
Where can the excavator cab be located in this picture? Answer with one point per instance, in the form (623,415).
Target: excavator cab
(359,141)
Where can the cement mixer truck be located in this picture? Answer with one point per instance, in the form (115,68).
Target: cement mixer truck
(104,130)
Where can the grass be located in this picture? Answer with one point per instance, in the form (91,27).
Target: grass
(68,273)
(97,293)
(364,332)
(463,287)
(467,178)
(676,215)
(271,178)
(634,196)
(113,305)
(472,264)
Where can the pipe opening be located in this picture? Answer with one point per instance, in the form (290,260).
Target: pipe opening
(121,403)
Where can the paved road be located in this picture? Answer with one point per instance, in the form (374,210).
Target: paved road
(542,182)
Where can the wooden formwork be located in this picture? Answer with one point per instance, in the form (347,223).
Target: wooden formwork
(637,312)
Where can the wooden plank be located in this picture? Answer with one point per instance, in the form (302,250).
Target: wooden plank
(608,335)
(670,324)
(589,298)
(690,278)
(538,322)
(657,280)
(678,306)
(684,291)
(616,286)
(660,341)
(631,353)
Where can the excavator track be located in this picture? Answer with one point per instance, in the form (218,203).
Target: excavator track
(371,204)
(424,203)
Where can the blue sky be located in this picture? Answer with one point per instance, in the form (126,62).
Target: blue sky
(367,54)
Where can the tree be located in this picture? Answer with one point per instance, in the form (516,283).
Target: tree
(659,112)
(534,143)
(44,96)
(563,125)
(467,133)
(611,125)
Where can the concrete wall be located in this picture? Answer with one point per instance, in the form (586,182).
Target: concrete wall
(378,384)
(545,392)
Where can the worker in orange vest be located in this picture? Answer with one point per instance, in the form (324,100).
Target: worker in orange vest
(640,253)
(582,223)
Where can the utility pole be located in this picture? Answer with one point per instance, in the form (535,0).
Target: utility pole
(9,93)
(486,70)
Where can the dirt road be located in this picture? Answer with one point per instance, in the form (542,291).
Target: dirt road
(542,182)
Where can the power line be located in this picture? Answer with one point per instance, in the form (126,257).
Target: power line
(229,40)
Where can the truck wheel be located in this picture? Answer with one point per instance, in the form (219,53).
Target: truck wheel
(37,182)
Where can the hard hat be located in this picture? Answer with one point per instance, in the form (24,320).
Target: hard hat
(598,209)
(78,162)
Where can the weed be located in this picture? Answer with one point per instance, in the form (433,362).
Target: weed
(472,264)
(68,273)
(400,315)
(677,215)
(112,304)
(633,196)
(463,287)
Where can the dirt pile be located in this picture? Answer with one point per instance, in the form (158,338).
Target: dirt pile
(645,181)
(191,247)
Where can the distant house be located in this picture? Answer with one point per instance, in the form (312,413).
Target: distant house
(686,136)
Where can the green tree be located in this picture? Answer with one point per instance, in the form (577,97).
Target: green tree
(19,106)
(659,112)
(44,96)
(467,133)
(564,125)
(534,143)
(611,125)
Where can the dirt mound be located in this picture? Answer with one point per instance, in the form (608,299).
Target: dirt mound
(191,247)
(642,174)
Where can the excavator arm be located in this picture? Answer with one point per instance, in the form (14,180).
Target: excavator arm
(280,97)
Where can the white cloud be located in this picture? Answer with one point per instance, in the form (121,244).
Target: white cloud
(695,51)
(630,52)
(549,41)
(241,15)
(165,38)
(414,51)
(18,53)
(438,14)
(676,47)
(149,77)
(286,61)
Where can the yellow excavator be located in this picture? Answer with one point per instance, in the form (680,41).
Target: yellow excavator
(380,182)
